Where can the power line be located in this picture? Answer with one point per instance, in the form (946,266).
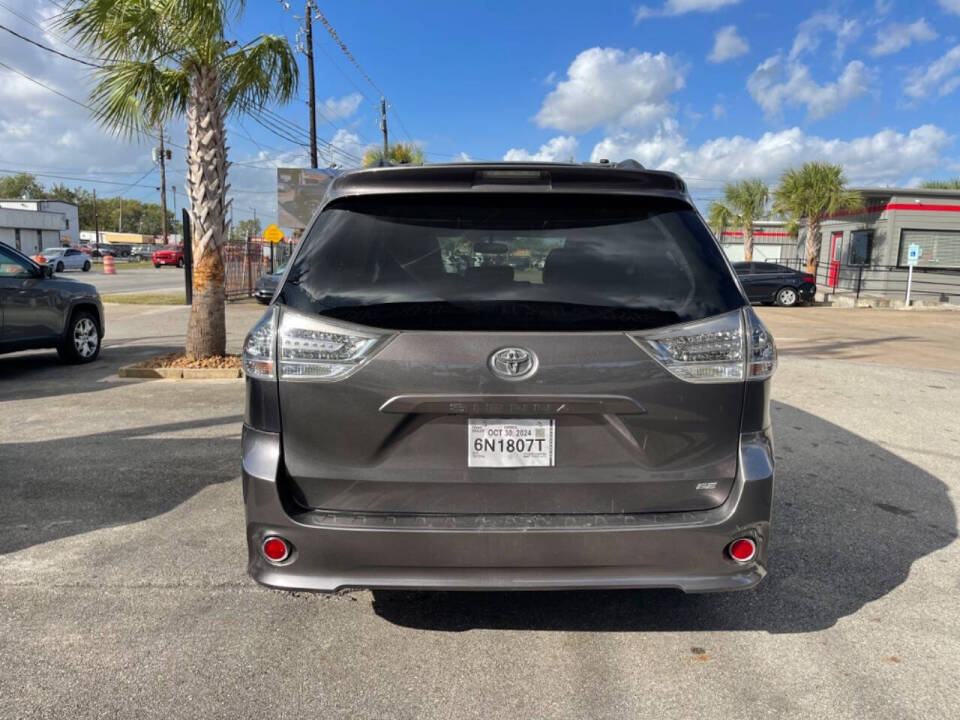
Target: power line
(47,48)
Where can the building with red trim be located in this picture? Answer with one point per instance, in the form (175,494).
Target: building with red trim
(868,248)
(771,242)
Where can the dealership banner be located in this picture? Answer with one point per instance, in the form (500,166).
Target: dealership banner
(299,192)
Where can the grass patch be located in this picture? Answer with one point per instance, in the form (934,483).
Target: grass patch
(145,298)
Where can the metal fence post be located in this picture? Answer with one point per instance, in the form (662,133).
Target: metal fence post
(186,237)
(246,266)
(859,279)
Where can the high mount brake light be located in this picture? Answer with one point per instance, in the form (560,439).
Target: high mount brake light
(726,348)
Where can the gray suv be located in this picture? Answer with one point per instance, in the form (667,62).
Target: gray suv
(40,311)
(508,376)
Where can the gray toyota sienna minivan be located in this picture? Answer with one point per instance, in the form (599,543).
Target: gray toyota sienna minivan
(508,376)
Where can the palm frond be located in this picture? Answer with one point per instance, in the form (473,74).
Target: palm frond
(259,71)
(131,96)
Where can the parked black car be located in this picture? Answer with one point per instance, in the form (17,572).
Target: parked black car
(38,310)
(266,285)
(766,282)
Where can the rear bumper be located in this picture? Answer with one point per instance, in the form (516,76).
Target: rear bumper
(806,292)
(675,550)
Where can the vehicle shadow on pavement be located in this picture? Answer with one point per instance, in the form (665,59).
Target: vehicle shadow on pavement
(67,486)
(849,520)
(39,374)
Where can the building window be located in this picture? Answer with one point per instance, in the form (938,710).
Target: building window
(861,247)
(68,223)
(940,249)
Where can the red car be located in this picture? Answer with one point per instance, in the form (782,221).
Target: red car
(168,255)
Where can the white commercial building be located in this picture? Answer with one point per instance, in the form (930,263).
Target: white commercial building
(31,225)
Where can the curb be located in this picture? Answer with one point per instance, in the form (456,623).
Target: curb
(131,371)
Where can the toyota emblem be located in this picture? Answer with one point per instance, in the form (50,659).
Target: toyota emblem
(513,363)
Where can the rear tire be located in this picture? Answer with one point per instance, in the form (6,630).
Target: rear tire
(81,342)
(59,267)
(157,265)
(180,263)
(86,266)
(787,297)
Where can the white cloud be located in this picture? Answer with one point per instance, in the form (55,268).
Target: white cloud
(812,30)
(950,6)
(719,111)
(727,44)
(558,149)
(894,38)
(775,84)
(347,142)
(681,7)
(342,108)
(883,158)
(882,7)
(608,86)
(941,77)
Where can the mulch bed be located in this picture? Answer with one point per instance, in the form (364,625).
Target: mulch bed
(180,360)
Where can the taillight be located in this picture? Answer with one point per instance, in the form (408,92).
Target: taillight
(258,348)
(727,348)
(810,279)
(705,351)
(761,349)
(310,348)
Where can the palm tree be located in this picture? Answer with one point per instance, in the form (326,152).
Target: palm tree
(815,190)
(743,204)
(719,218)
(162,59)
(398,153)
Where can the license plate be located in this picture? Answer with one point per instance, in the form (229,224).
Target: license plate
(510,443)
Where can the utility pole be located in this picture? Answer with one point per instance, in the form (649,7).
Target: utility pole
(120,221)
(96,222)
(383,126)
(312,101)
(163,189)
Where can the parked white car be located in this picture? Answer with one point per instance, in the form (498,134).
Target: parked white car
(66,258)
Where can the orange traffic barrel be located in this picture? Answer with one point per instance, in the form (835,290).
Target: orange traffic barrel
(108,266)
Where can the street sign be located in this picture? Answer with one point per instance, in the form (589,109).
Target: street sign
(273,234)
(914,252)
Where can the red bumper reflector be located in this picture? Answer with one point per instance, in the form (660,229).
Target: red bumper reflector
(742,550)
(276,549)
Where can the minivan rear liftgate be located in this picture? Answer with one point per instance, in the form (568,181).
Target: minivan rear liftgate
(395,437)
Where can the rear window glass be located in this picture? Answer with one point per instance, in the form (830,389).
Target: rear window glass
(510,263)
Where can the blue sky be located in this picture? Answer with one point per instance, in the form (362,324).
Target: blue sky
(714,89)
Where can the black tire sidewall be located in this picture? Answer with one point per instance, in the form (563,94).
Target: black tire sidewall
(86,266)
(59,267)
(67,351)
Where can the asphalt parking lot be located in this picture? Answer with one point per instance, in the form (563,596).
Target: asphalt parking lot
(131,278)
(122,562)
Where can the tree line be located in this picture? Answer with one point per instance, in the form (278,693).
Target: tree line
(807,194)
(115,214)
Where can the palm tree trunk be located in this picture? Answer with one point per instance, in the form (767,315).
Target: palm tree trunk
(207,188)
(748,242)
(813,245)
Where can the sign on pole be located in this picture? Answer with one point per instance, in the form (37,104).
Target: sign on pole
(914,252)
(273,234)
